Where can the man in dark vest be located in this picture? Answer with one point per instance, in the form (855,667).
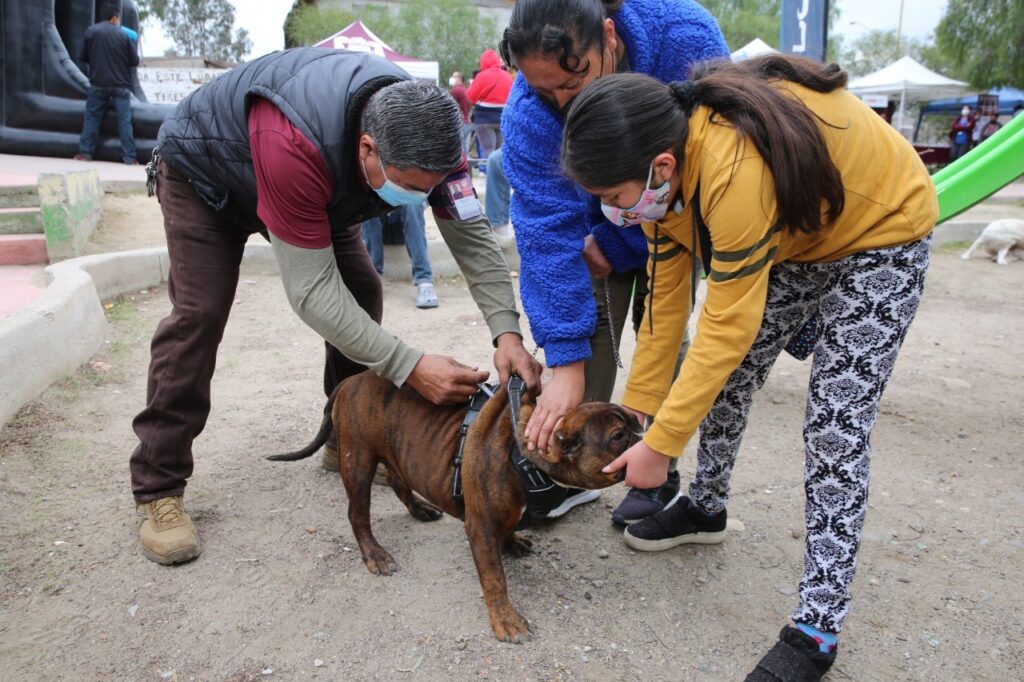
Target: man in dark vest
(302,145)
(110,54)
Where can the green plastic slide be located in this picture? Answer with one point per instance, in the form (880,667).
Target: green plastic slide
(982,172)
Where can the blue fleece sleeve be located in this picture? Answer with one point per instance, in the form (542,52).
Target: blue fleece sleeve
(550,219)
(624,247)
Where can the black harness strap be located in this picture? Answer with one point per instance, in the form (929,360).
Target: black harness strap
(542,494)
(476,403)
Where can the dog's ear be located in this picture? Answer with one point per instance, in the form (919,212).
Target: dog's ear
(563,447)
(631,422)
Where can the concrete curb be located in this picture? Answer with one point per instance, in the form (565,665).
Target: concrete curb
(65,325)
(70,206)
(957,231)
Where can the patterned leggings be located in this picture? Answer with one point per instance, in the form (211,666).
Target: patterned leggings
(865,304)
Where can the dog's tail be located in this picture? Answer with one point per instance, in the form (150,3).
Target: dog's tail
(326,426)
(973,248)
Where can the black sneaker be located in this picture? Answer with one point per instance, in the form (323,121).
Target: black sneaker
(676,525)
(641,503)
(796,657)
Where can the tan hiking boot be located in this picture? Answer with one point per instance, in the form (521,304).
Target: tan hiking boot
(167,535)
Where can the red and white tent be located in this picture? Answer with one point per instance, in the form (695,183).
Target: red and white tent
(358,38)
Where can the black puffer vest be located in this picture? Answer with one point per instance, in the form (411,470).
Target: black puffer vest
(322,92)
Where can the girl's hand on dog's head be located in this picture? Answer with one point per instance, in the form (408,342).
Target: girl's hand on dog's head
(645,467)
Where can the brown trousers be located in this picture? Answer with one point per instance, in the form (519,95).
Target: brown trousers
(205,250)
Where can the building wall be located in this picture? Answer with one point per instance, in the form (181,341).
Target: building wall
(171,85)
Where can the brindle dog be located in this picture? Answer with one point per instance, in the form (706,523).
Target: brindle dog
(417,442)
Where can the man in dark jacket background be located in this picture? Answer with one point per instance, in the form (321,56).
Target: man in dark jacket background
(110,54)
(303,145)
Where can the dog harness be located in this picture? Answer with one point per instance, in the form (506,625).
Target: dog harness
(542,494)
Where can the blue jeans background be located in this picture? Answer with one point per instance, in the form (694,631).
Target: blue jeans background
(96,103)
(413,226)
(498,193)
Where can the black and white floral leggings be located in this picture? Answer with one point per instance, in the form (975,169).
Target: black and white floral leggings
(865,304)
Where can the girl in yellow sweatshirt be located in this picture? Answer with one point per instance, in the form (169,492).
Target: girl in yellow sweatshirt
(801,204)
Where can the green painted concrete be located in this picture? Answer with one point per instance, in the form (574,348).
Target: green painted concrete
(21,221)
(70,206)
(19,196)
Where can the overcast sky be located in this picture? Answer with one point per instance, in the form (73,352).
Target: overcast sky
(264,19)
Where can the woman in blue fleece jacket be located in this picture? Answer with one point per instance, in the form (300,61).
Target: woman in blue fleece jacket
(572,259)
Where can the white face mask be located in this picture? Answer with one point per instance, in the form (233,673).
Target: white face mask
(452,82)
(652,206)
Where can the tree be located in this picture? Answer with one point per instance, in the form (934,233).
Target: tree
(743,20)
(450,32)
(984,39)
(309,24)
(875,49)
(201,28)
(147,9)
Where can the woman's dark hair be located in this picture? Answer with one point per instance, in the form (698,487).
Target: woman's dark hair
(109,10)
(562,28)
(619,123)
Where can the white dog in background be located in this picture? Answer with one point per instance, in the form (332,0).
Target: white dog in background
(1000,238)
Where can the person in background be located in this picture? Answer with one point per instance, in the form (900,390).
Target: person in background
(961,132)
(488,93)
(110,54)
(990,128)
(413,226)
(580,275)
(801,203)
(497,196)
(458,92)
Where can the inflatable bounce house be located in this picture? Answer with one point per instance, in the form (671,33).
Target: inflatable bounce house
(44,86)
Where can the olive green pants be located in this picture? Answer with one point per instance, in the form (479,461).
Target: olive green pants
(627,292)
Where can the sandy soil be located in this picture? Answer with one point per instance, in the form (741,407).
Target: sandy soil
(280,592)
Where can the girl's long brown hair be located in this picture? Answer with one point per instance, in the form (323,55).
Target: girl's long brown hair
(620,123)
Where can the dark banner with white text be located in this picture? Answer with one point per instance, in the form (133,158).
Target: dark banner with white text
(805,28)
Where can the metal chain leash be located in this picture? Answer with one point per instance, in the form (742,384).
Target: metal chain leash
(611,322)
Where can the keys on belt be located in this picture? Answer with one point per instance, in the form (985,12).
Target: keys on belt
(151,169)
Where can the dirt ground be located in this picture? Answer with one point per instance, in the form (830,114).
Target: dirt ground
(280,592)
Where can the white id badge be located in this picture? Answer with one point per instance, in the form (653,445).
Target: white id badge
(462,197)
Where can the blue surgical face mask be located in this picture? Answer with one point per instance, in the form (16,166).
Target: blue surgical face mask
(393,193)
(652,206)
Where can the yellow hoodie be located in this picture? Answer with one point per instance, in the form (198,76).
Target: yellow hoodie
(890,200)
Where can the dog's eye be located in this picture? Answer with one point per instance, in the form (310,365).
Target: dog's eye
(618,436)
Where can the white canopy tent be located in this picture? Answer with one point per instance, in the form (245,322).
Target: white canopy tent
(755,48)
(358,38)
(906,77)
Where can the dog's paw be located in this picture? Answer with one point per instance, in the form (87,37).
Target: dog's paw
(518,545)
(509,626)
(379,562)
(424,511)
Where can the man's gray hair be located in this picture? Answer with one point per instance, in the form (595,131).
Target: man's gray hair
(415,124)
